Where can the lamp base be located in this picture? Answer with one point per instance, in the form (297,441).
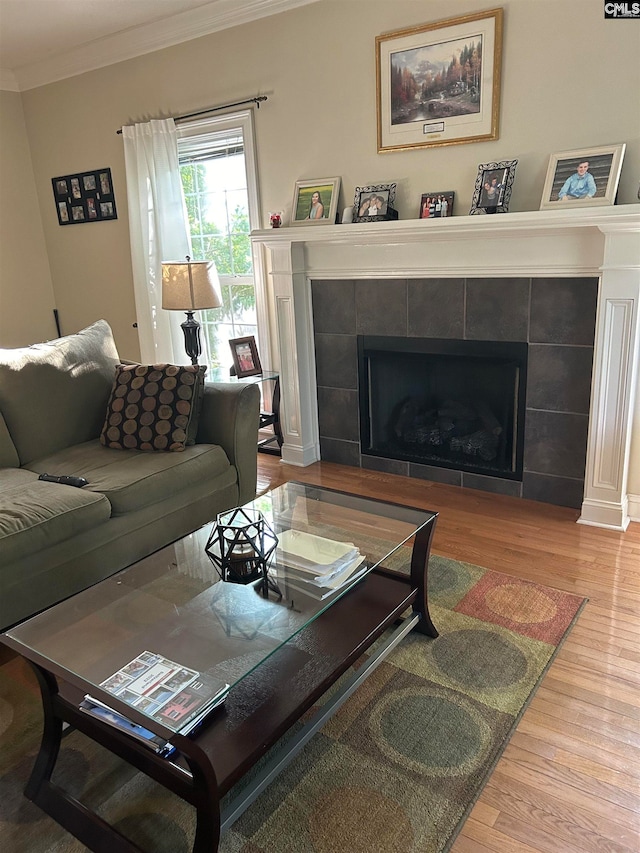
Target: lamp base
(192,344)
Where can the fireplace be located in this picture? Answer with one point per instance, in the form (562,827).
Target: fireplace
(449,403)
(576,244)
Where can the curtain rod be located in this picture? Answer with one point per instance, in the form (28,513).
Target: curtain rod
(257,100)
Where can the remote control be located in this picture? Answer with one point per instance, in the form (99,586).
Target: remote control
(64,479)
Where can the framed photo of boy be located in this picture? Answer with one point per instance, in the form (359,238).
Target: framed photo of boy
(315,202)
(583,178)
(244,353)
(439,83)
(492,191)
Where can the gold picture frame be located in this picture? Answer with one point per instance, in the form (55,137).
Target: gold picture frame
(439,84)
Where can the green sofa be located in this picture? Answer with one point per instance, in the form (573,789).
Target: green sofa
(58,539)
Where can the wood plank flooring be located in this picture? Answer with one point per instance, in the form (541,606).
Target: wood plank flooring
(569,780)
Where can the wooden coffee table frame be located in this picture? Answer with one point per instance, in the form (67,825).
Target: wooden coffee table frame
(256,713)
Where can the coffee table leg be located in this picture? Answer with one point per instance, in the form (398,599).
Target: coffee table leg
(205,799)
(51,735)
(419,567)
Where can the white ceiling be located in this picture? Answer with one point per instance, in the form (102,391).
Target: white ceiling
(46,40)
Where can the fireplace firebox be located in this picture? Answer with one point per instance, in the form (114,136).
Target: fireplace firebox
(448,403)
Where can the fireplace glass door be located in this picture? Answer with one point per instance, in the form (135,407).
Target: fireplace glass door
(452,404)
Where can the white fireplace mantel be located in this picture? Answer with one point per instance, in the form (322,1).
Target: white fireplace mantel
(575,242)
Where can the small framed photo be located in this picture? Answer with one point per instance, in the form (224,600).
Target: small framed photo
(375,203)
(436,205)
(84,197)
(245,356)
(583,178)
(439,83)
(315,202)
(492,191)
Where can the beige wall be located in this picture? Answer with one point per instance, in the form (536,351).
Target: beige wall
(26,291)
(569,80)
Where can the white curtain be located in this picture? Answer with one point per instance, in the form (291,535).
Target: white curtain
(159,232)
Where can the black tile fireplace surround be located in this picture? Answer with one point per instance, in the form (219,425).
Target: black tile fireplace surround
(554,316)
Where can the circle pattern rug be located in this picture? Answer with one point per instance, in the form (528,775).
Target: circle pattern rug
(396,770)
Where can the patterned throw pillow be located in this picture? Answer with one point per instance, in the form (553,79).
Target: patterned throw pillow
(153,407)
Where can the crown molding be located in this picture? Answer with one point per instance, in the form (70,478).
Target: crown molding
(137,41)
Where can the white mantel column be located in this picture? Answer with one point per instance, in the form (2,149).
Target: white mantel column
(294,325)
(615,365)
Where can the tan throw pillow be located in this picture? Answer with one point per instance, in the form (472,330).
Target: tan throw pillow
(154,407)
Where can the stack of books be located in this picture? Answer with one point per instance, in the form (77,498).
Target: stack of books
(176,696)
(315,566)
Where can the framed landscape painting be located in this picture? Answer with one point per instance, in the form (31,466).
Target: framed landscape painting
(439,84)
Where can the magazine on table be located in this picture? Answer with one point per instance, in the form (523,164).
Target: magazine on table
(108,715)
(174,695)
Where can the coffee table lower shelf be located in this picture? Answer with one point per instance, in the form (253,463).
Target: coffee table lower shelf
(257,713)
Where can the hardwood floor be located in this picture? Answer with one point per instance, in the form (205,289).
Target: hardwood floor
(569,780)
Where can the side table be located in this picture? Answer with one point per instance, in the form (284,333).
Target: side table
(272,443)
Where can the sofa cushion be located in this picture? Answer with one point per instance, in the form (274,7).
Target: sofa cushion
(35,515)
(153,407)
(135,479)
(8,452)
(53,395)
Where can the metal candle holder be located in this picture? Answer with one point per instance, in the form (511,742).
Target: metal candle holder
(239,546)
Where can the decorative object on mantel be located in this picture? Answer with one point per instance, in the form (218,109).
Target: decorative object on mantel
(190,286)
(315,202)
(375,203)
(438,205)
(584,178)
(275,219)
(493,187)
(239,546)
(84,197)
(439,83)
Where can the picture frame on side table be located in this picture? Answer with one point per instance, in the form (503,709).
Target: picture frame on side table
(315,202)
(244,353)
(375,203)
(492,190)
(439,83)
(436,205)
(585,177)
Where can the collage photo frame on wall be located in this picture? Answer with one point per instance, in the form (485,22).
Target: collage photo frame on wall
(84,197)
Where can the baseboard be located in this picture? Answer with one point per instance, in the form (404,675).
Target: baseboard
(634,507)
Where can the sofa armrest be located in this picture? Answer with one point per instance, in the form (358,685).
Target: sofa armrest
(230,417)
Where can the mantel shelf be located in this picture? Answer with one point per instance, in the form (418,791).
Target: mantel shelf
(619,218)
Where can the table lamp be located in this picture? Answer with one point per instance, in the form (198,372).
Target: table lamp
(190,286)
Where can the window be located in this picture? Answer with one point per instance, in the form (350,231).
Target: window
(217,167)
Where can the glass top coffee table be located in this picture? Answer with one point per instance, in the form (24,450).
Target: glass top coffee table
(273,651)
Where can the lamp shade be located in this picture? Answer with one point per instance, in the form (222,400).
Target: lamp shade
(190,285)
